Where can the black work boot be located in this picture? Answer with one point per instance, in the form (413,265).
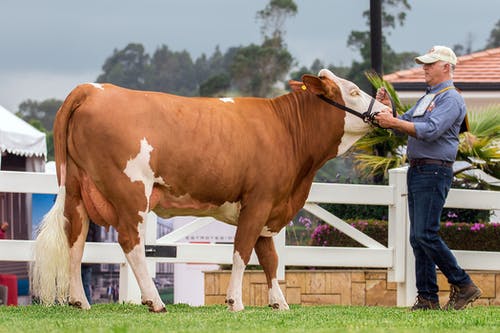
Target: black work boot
(425,304)
(460,297)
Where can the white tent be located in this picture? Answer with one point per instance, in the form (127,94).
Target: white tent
(17,137)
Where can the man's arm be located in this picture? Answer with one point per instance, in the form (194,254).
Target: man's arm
(386,120)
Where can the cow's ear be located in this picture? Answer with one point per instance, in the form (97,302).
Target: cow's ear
(296,85)
(313,84)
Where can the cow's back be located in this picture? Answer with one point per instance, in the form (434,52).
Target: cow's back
(206,147)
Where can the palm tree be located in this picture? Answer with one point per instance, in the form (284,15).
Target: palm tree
(480,143)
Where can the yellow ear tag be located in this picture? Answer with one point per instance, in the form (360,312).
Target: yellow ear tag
(304,87)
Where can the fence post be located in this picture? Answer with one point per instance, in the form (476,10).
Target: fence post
(403,271)
(151,236)
(129,291)
(397,225)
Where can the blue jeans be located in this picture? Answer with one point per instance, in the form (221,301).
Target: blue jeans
(87,281)
(428,186)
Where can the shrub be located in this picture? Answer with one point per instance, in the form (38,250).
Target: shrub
(354,212)
(458,236)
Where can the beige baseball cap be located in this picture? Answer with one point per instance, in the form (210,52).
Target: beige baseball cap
(437,53)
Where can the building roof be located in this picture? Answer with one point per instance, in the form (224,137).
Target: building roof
(474,72)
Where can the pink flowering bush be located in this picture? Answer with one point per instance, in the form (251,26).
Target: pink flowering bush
(458,235)
(472,236)
(326,235)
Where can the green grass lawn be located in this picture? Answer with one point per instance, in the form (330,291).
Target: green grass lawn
(118,318)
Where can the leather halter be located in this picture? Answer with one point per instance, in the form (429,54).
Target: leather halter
(366,116)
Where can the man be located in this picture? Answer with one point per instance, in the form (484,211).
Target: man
(432,125)
(93,235)
(3,230)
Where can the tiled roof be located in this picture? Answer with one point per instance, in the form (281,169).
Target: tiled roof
(475,71)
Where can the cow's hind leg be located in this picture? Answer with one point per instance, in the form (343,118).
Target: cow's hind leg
(77,296)
(268,258)
(137,260)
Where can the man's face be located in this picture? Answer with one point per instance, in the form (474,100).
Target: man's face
(436,72)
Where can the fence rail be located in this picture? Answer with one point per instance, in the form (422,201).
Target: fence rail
(397,257)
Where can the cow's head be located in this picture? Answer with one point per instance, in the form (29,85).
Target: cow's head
(346,97)
(360,106)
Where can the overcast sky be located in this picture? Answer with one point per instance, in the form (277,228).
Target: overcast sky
(49,46)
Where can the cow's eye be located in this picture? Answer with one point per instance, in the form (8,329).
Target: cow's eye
(354,92)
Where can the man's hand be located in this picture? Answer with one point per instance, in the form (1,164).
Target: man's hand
(385,118)
(383,97)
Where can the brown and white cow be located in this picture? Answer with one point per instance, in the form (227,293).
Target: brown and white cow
(245,161)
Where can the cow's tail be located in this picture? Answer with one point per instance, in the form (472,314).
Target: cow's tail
(50,268)
(50,272)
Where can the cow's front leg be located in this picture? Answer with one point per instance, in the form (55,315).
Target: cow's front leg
(234,297)
(137,260)
(250,224)
(268,259)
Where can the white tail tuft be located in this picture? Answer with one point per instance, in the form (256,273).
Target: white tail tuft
(50,268)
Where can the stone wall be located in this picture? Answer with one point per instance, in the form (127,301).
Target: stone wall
(340,287)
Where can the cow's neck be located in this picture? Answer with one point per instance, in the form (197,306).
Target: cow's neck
(314,127)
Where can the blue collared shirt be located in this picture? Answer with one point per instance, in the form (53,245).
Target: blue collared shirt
(438,128)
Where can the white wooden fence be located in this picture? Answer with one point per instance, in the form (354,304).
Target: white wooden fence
(397,257)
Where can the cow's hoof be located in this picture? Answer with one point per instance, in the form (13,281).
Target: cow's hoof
(76,304)
(279,307)
(161,310)
(79,305)
(234,306)
(152,308)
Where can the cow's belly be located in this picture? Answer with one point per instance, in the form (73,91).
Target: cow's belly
(185,205)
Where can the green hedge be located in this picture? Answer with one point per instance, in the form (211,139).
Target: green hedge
(354,212)
(458,236)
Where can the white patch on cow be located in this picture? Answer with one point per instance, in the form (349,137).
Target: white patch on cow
(267,233)
(234,291)
(352,133)
(96,85)
(227,100)
(276,296)
(139,170)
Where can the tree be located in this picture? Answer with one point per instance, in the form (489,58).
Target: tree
(315,67)
(49,136)
(215,85)
(256,68)
(172,72)
(213,73)
(482,141)
(43,112)
(393,12)
(206,67)
(494,40)
(127,68)
(273,17)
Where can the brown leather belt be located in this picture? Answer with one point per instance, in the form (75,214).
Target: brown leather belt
(424,161)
